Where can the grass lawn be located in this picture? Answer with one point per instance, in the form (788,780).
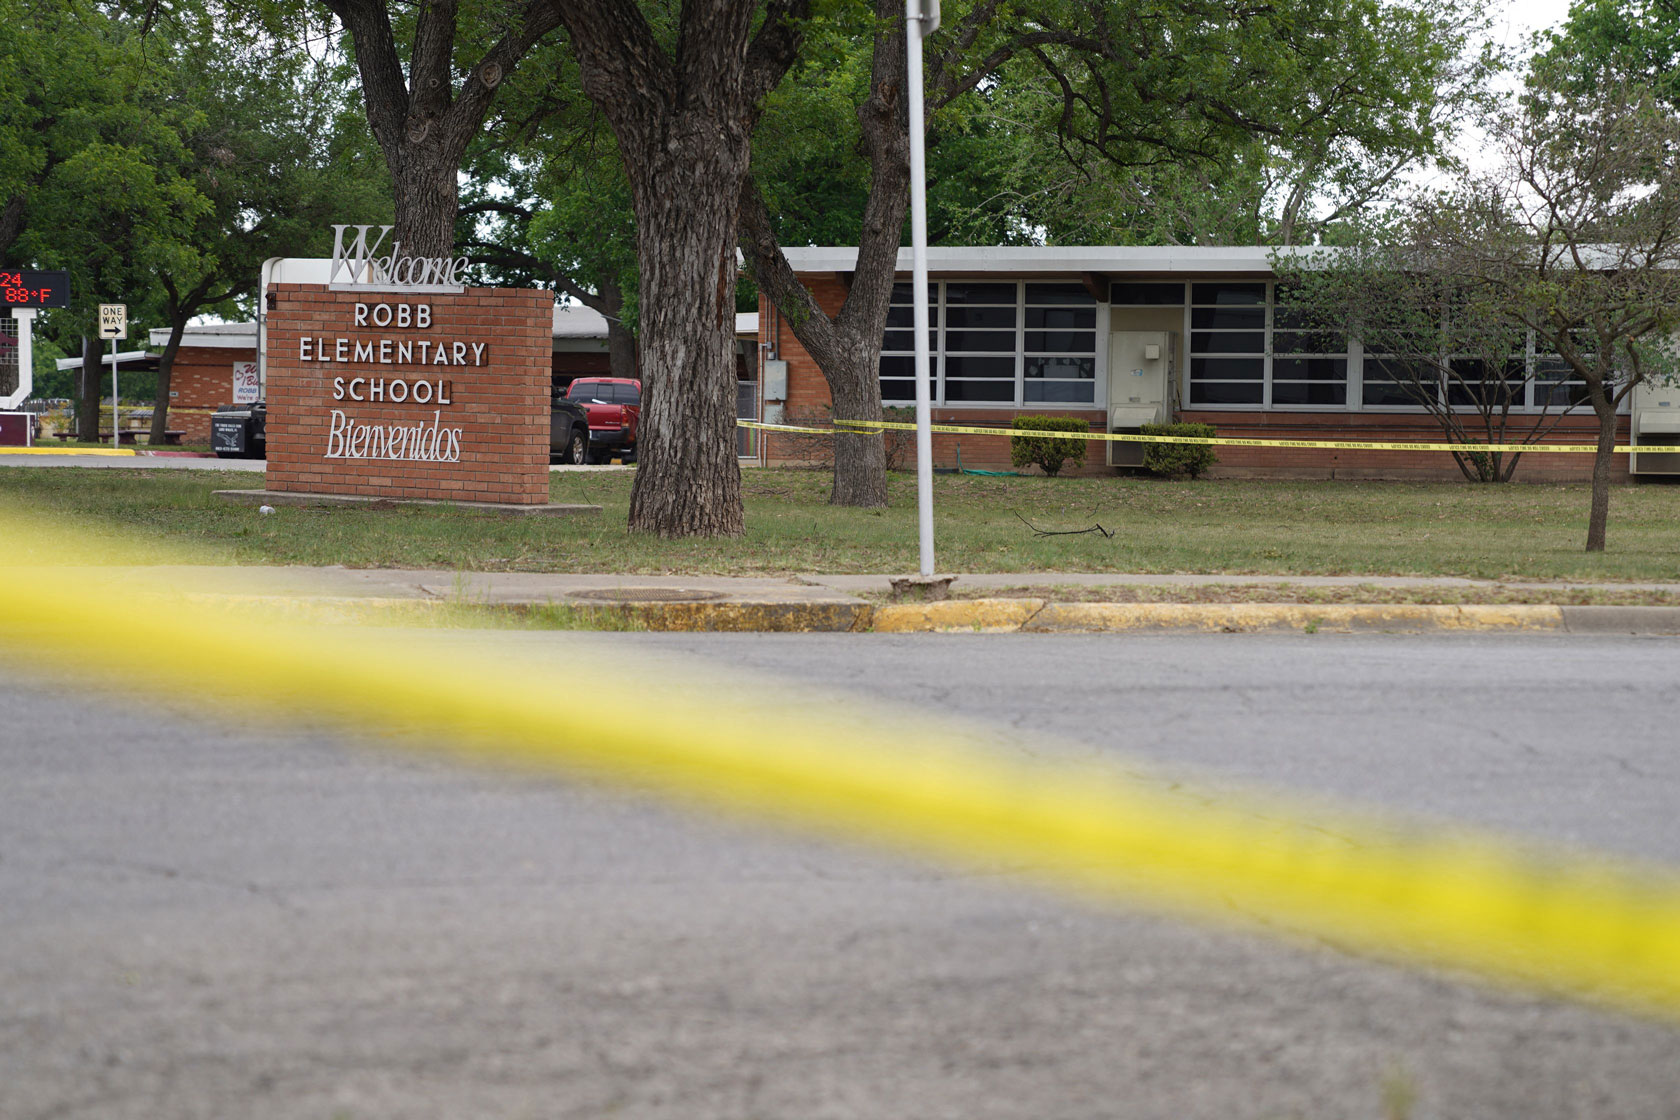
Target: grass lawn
(1520,531)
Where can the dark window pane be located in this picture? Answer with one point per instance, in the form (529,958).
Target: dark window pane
(1309,369)
(1061,392)
(1228,342)
(1147,295)
(900,340)
(1063,342)
(1227,369)
(1494,394)
(980,390)
(1242,318)
(1058,293)
(980,293)
(897,389)
(1063,368)
(1305,342)
(906,366)
(1396,381)
(1228,293)
(1303,392)
(1065,318)
(1388,392)
(980,367)
(980,317)
(906,294)
(980,340)
(1559,394)
(901,317)
(1223,392)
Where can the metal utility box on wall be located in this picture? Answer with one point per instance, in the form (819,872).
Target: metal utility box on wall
(1140,375)
(1655,424)
(775,379)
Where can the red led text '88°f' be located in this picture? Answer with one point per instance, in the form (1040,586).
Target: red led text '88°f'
(34,289)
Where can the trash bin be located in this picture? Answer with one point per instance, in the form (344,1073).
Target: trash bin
(238,431)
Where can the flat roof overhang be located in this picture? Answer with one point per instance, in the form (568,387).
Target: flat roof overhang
(1063,261)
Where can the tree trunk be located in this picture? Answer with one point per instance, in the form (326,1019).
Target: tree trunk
(1604,461)
(684,123)
(87,414)
(860,460)
(424,111)
(847,348)
(427,196)
(621,344)
(688,479)
(166,367)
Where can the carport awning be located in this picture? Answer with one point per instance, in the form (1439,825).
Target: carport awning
(133,359)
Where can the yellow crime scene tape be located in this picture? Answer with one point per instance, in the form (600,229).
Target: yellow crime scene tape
(872,427)
(1565,923)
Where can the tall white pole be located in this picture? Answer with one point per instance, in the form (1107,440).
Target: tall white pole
(116,432)
(920,18)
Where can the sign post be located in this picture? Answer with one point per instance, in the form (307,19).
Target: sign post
(113,324)
(921,19)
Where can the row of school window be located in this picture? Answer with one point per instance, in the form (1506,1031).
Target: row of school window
(1027,343)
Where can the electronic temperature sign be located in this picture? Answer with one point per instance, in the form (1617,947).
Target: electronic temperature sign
(34,289)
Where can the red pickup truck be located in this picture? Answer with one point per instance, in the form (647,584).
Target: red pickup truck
(614,405)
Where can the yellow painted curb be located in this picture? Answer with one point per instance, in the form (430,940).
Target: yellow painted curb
(984,616)
(1242,617)
(65,451)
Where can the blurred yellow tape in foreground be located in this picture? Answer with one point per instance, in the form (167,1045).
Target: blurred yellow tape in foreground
(1561,922)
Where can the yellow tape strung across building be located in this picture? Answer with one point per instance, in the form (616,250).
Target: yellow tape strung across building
(863,427)
(1565,923)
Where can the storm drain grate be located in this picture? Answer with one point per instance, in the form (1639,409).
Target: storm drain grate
(647,595)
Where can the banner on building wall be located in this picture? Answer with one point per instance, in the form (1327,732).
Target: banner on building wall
(246,389)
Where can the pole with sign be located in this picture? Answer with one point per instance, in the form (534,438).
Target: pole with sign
(113,324)
(921,18)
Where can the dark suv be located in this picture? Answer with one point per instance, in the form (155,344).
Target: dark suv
(568,430)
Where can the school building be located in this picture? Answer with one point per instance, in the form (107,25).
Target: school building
(1124,336)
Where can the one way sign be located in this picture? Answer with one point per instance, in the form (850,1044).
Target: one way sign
(113,320)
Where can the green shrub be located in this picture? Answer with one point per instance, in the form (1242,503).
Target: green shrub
(1049,453)
(1176,460)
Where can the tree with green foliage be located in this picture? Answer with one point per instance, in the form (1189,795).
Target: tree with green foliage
(1615,41)
(277,150)
(1355,94)
(548,202)
(102,189)
(1573,239)
(429,73)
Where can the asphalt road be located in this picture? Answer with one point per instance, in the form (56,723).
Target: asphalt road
(210,918)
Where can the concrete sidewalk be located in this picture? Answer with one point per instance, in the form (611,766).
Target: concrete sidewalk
(863,602)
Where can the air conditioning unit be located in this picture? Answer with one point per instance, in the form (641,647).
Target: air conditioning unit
(1129,418)
(1656,431)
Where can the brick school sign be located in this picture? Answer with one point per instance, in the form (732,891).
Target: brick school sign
(409,394)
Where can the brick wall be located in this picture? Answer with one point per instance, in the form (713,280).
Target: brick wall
(1259,462)
(496,381)
(808,399)
(202,378)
